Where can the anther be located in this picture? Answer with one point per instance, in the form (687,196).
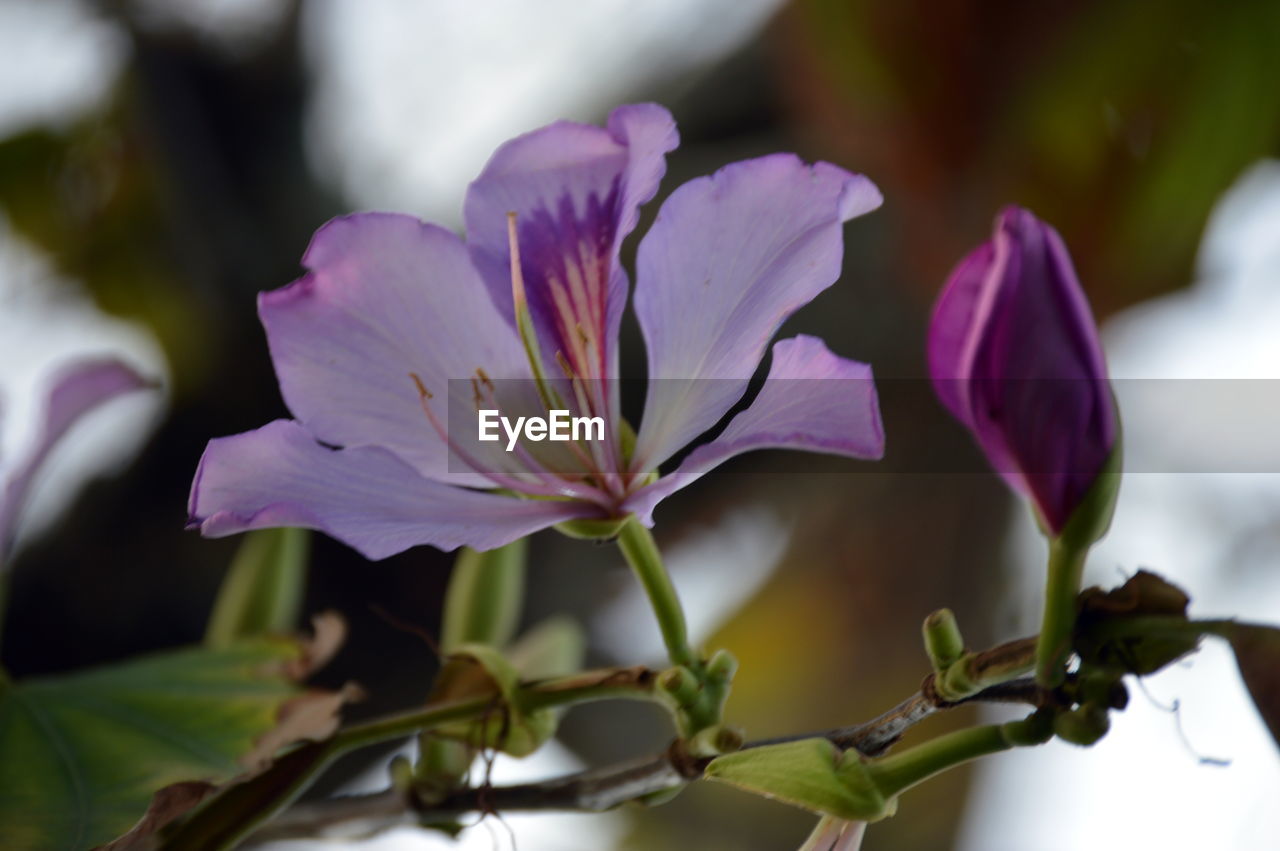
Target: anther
(565,366)
(422,388)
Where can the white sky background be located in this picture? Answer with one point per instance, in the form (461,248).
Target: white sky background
(413,96)
(1217,536)
(56,62)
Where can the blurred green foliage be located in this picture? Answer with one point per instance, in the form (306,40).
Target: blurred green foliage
(1120,122)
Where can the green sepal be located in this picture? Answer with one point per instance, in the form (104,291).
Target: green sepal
(262,591)
(1084,726)
(592,529)
(811,773)
(1092,517)
(942,640)
(485,596)
(477,670)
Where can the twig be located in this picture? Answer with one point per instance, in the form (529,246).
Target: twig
(602,789)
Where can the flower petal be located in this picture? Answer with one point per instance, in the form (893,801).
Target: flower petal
(76,390)
(365,497)
(954,328)
(576,191)
(729,258)
(1014,354)
(812,400)
(387,297)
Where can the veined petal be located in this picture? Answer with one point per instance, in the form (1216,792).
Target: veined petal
(812,400)
(575,190)
(387,298)
(1014,354)
(76,391)
(961,319)
(729,258)
(365,497)
(955,328)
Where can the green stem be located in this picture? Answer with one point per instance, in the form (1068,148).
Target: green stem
(642,554)
(898,772)
(1066,567)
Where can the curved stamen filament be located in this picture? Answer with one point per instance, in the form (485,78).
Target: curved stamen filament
(560,488)
(600,466)
(524,319)
(490,398)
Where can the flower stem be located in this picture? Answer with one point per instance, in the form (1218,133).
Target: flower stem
(642,554)
(898,772)
(1066,567)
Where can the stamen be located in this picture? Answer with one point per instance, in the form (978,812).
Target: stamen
(562,488)
(484,378)
(422,388)
(524,319)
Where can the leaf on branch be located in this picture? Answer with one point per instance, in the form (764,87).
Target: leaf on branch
(1144,595)
(114,753)
(1257,651)
(811,773)
(168,804)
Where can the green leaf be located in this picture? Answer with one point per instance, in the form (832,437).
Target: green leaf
(1257,651)
(811,773)
(262,592)
(485,596)
(82,755)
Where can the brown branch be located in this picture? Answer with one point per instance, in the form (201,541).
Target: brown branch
(602,789)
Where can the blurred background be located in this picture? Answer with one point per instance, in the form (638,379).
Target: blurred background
(162,161)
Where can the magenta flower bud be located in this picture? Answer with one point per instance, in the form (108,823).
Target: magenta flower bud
(1014,355)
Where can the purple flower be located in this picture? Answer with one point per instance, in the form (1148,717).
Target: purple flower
(1014,355)
(75,391)
(400,330)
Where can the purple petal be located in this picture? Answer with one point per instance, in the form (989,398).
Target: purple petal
(729,258)
(1014,354)
(365,497)
(955,328)
(76,391)
(576,190)
(960,320)
(387,297)
(812,400)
